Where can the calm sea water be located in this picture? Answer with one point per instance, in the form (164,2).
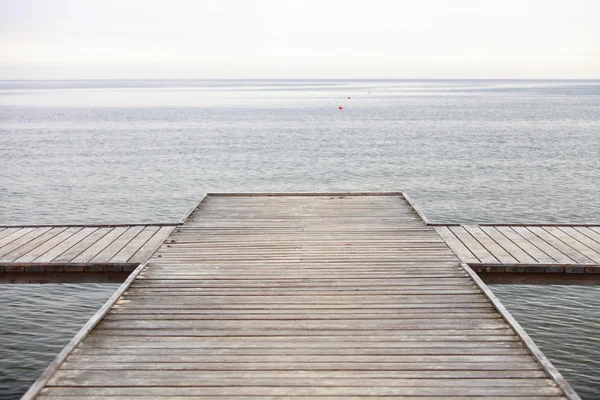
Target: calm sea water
(144,151)
(36,322)
(564,321)
(484,151)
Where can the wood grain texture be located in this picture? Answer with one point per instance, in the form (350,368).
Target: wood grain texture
(65,245)
(48,245)
(307,295)
(528,245)
(490,244)
(94,245)
(134,245)
(32,244)
(473,245)
(502,240)
(19,241)
(6,232)
(117,245)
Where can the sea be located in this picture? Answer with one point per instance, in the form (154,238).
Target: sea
(143,151)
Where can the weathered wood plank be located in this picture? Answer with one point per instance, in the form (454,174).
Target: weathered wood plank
(82,245)
(370,391)
(327,276)
(589,232)
(166,300)
(291,316)
(13,234)
(470,303)
(113,248)
(32,244)
(519,254)
(386,397)
(293,333)
(151,245)
(250,351)
(202,282)
(524,244)
(311,379)
(582,246)
(528,244)
(96,248)
(560,245)
(388,340)
(65,245)
(48,245)
(535,240)
(490,245)
(340,324)
(433,312)
(6,232)
(32,234)
(186,378)
(127,252)
(473,245)
(456,245)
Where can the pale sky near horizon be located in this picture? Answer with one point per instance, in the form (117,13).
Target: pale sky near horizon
(178,39)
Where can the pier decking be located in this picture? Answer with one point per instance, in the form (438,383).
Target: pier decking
(514,248)
(526,247)
(79,248)
(330,296)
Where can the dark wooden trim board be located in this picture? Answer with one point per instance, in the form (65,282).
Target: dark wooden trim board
(414,206)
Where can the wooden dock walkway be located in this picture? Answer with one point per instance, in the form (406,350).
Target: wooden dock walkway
(330,296)
(526,247)
(79,248)
(531,248)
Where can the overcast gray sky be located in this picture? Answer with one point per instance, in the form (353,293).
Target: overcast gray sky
(81,39)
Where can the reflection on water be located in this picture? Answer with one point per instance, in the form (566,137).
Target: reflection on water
(36,322)
(564,321)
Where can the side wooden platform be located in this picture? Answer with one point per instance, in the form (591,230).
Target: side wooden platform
(97,248)
(329,296)
(518,248)
(525,248)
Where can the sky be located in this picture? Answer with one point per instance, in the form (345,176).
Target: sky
(202,39)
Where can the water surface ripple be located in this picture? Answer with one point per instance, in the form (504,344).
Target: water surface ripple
(143,151)
(564,321)
(36,322)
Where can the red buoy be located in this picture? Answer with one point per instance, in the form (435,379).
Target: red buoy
(340,108)
(348,97)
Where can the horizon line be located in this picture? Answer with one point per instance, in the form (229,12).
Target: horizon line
(294,79)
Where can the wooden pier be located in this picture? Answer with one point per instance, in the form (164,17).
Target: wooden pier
(52,249)
(526,248)
(533,249)
(329,296)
